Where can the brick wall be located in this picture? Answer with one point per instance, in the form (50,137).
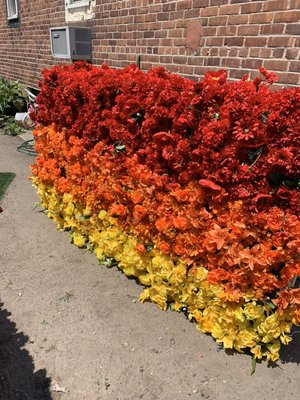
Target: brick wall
(188,37)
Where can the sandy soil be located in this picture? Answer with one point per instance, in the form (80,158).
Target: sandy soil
(66,322)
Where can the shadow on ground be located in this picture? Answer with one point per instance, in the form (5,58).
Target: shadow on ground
(18,381)
(291,353)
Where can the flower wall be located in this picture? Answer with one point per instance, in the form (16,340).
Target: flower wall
(191,187)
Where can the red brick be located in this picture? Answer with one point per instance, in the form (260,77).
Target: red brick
(231,62)
(294,4)
(242,1)
(214,51)
(217,21)
(227,30)
(185,70)
(176,15)
(218,2)
(179,60)
(155,8)
(251,7)
(180,42)
(214,41)
(168,24)
(291,53)
(163,16)
(277,53)
(165,59)
(252,63)
(295,66)
(200,71)
(169,7)
(292,29)
(243,52)
(209,11)
(237,19)
(254,52)
(149,18)
(200,3)
(272,29)
(212,61)
(248,30)
(236,74)
(261,18)
(209,31)
(287,16)
(256,41)
(293,79)
(192,13)
(196,60)
(265,53)
(275,5)
(276,65)
(233,52)
(284,41)
(175,33)
(228,9)
(235,41)
(183,5)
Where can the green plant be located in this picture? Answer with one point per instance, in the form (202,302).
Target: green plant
(13,96)
(10,127)
(5,179)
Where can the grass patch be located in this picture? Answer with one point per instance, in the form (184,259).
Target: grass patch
(5,179)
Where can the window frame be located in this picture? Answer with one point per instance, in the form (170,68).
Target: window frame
(77,3)
(14,16)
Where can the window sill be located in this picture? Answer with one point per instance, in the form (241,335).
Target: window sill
(15,16)
(78,4)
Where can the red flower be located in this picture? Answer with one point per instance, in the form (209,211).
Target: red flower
(207,184)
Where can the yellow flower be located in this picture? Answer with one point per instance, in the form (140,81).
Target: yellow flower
(78,239)
(102,215)
(253,311)
(176,306)
(99,253)
(145,279)
(236,325)
(256,351)
(273,351)
(285,339)
(247,338)
(145,295)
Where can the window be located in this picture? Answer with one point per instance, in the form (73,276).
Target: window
(12,9)
(77,3)
(79,10)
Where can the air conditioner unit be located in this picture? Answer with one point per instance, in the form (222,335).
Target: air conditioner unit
(71,42)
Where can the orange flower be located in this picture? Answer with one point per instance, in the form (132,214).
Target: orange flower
(136,197)
(162,224)
(179,249)
(139,212)
(118,210)
(181,223)
(164,247)
(233,296)
(217,276)
(141,248)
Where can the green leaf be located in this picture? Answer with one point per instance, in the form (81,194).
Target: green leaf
(253,368)
(264,116)
(271,305)
(120,147)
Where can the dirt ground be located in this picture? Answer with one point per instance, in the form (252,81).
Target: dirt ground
(68,324)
